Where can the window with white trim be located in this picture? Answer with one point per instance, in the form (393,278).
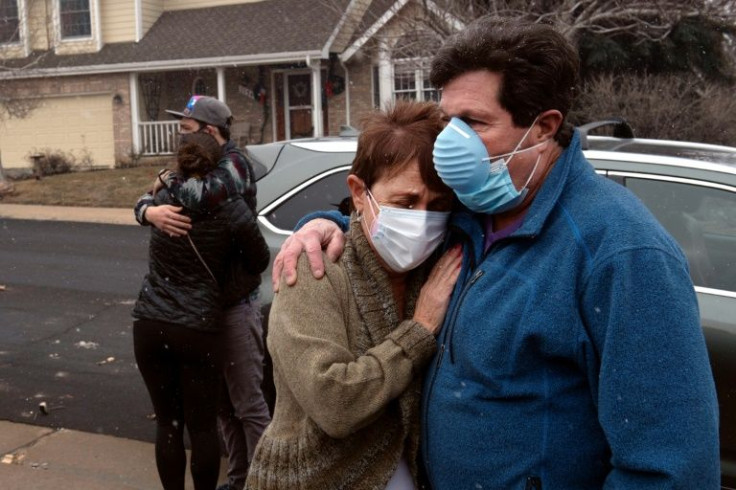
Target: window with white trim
(75,19)
(411,81)
(9,22)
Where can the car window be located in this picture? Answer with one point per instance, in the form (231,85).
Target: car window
(324,194)
(702,219)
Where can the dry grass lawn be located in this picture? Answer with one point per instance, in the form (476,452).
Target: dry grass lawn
(115,188)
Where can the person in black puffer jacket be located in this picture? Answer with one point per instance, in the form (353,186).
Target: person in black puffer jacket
(177,318)
(248,385)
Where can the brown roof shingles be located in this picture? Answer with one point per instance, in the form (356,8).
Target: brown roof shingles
(266,27)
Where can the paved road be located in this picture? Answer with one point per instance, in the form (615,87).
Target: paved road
(66,329)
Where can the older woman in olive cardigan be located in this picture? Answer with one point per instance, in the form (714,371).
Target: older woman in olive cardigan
(349,349)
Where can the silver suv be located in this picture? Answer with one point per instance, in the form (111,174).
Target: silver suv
(689,187)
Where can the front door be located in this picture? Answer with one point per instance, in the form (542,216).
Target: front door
(293,105)
(298,105)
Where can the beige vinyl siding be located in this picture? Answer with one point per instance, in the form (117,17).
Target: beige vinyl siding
(196,4)
(12,51)
(76,47)
(151,10)
(39,13)
(79,125)
(118,21)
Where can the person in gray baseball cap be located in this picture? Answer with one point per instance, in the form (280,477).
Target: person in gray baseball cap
(243,412)
(206,110)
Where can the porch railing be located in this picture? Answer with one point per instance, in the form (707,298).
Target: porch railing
(158,137)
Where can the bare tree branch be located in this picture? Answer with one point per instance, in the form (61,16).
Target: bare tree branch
(14,60)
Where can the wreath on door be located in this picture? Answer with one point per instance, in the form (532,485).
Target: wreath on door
(300,89)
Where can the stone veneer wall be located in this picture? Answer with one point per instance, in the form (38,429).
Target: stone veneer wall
(239,84)
(361,91)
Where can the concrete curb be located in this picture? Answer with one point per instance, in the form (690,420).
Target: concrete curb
(116,216)
(46,459)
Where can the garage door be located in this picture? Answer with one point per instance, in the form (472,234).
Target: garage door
(80,125)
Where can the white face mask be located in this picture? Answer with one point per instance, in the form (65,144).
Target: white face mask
(404,238)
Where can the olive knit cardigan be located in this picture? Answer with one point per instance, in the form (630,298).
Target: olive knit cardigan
(347,372)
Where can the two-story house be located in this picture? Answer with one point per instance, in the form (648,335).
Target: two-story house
(94,77)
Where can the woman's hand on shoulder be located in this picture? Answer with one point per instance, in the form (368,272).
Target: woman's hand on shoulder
(434,297)
(158,183)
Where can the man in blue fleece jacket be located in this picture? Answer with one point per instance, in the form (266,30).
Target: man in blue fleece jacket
(571,355)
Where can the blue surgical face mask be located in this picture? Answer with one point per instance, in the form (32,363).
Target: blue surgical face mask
(462,162)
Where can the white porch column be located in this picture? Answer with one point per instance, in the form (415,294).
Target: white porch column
(221,84)
(138,20)
(315,65)
(385,76)
(135,117)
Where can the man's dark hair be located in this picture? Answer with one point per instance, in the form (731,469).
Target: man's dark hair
(224,130)
(198,153)
(538,66)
